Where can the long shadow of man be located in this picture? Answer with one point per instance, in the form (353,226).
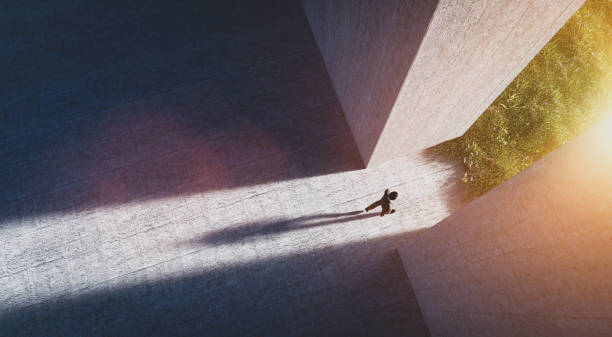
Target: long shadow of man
(238,233)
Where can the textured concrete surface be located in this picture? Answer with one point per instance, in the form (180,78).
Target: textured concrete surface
(368,47)
(531,257)
(412,74)
(184,168)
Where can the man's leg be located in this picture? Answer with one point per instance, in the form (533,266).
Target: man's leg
(383,212)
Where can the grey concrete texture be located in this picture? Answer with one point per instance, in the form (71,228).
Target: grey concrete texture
(412,74)
(368,47)
(184,168)
(529,258)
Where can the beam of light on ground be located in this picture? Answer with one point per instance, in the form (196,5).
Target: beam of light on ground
(53,255)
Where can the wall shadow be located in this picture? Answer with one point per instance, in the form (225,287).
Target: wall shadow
(237,233)
(357,289)
(112,102)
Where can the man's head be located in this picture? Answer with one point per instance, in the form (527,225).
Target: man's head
(393,195)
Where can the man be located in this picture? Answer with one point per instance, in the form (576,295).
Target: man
(384,202)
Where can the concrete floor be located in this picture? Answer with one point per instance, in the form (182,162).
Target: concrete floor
(184,168)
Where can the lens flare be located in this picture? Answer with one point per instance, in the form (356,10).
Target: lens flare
(606,132)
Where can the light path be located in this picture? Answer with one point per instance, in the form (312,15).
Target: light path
(72,255)
(59,254)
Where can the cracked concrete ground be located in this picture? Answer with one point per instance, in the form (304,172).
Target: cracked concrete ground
(184,168)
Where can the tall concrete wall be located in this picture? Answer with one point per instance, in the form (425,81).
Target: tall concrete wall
(412,74)
(533,257)
(368,46)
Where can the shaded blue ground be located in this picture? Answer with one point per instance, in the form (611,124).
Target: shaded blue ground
(127,91)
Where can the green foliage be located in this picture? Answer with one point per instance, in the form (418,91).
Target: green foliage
(560,93)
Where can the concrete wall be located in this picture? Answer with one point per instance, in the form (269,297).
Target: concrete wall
(412,74)
(368,46)
(533,257)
